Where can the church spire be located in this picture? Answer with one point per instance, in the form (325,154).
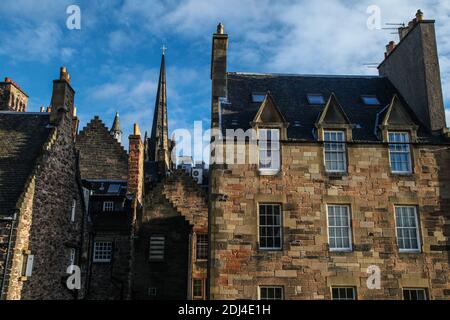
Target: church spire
(158,148)
(115,129)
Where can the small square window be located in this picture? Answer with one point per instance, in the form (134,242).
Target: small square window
(258,97)
(114,188)
(315,99)
(152,292)
(271,293)
(370,100)
(414,294)
(108,206)
(102,251)
(343,293)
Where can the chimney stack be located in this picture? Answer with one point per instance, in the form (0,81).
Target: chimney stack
(218,71)
(12,97)
(413,68)
(62,103)
(136,165)
(389,48)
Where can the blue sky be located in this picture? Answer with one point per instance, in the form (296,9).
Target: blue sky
(114,59)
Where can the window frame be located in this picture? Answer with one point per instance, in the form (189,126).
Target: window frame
(268,147)
(354,290)
(350,231)
(94,251)
(344,143)
(106,206)
(267,249)
(260,288)
(202,285)
(417,227)
(203,245)
(424,290)
(390,144)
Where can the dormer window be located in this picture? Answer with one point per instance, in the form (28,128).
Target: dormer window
(269,151)
(399,152)
(316,99)
(335,151)
(370,100)
(258,97)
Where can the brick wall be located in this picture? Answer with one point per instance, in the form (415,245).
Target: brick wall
(305,267)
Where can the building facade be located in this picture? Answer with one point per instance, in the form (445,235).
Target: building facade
(351,186)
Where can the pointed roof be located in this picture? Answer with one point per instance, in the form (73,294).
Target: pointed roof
(159,131)
(333,113)
(269,112)
(396,114)
(116,124)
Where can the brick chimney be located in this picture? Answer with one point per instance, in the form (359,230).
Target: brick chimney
(62,104)
(218,71)
(389,48)
(12,97)
(136,165)
(413,68)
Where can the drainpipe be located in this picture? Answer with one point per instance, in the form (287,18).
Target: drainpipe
(8,253)
(189,277)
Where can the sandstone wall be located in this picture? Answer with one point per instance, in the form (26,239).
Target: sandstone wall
(305,267)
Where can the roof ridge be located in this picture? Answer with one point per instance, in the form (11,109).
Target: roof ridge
(307,75)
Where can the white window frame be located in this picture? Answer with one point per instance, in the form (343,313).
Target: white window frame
(408,152)
(346,288)
(157,246)
(417,227)
(270,287)
(202,244)
(104,255)
(74,210)
(328,143)
(108,206)
(273,248)
(349,213)
(425,293)
(272,146)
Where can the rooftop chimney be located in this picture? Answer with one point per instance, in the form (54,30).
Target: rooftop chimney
(12,97)
(218,71)
(413,68)
(136,165)
(62,103)
(389,48)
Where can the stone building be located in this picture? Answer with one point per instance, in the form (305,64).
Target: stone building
(41,200)
(352,180)
(171,246)
(12,97)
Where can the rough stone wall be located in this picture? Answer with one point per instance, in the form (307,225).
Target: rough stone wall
(111,159)
(305,267)
(45,227)
(108,280)
(177,209)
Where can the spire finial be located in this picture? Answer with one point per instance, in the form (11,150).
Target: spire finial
(163,49)
(220,28)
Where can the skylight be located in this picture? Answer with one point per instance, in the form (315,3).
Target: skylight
(315,99)
(370,100)
(258,97)
(114,188)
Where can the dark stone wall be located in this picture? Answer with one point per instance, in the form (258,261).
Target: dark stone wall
(101,156)
(169,277)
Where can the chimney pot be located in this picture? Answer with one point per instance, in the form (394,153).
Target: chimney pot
(419,15)
(8,80)
(137,130)
(220,28)
(64,75)
(42,109)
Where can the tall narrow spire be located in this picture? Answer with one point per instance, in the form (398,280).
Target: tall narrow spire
(158,149)
(115,129)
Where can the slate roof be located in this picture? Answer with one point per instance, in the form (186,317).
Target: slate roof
(22,138)
(290,94)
